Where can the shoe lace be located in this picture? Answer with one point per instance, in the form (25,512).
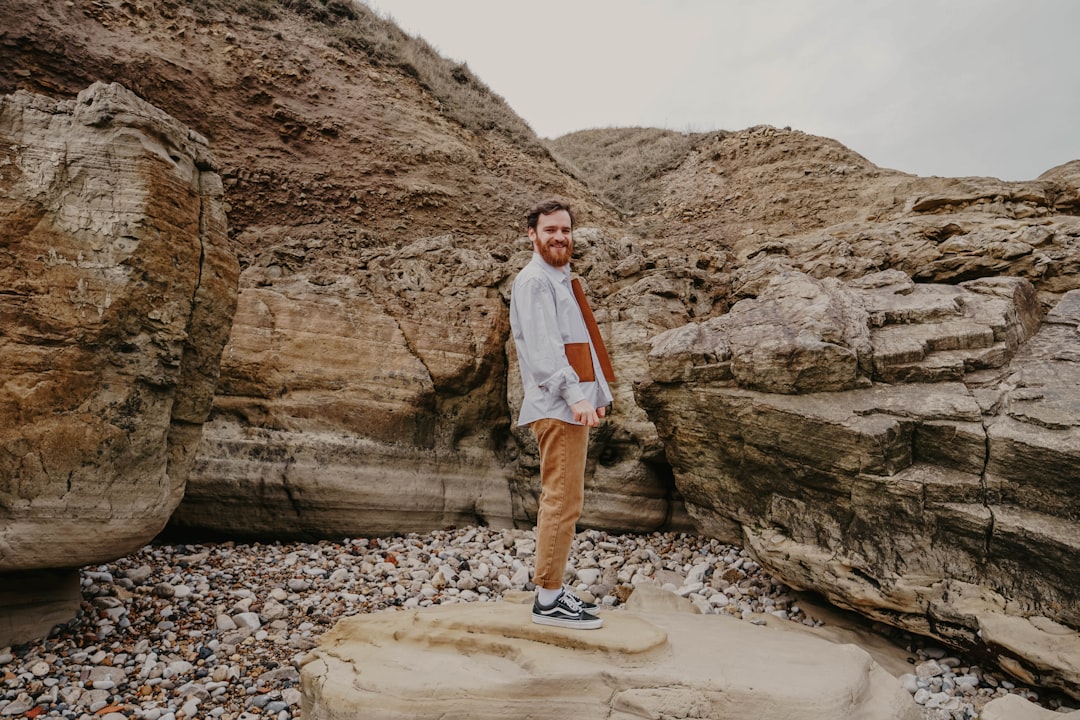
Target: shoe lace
(571,601)
(570,591)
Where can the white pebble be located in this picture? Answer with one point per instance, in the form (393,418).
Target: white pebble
(588,576)
(909,682)
(248,620)
(178,667)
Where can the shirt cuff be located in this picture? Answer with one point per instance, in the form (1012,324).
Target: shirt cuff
(573,393)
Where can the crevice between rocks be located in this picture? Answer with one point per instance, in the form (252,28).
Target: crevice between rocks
(985,490)
(202,250)
(988,541)
(287,488)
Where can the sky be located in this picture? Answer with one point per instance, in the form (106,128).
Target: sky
(930,87)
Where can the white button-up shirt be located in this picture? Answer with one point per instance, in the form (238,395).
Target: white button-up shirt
(544,316)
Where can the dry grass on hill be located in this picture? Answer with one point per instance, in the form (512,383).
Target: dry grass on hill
(624,166)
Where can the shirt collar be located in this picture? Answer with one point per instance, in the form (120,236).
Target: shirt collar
(558,274)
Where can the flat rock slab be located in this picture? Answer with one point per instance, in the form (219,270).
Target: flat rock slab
(488,660)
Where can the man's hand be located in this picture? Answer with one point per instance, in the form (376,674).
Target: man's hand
(586,414)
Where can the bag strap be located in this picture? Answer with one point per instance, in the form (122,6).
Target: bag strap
(594,330)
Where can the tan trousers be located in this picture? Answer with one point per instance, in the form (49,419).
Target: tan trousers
(563,447)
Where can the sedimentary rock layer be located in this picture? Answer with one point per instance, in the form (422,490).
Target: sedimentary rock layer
(909,451)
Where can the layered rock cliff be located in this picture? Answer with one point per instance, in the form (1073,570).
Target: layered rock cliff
(370,335)
(909,451)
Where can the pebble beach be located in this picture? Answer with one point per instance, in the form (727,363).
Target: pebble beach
(186,631)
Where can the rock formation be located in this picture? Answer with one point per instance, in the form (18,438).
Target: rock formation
(487,660)
(379,222)
(118,292)
(907,450)
(374,195)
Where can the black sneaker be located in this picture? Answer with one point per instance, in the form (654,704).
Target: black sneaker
(585,604)
(565,612)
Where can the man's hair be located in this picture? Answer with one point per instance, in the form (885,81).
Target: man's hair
(546,208)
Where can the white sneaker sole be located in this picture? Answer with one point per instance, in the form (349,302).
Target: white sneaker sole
(572,624)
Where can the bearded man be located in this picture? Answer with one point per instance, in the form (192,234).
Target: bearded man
(563,366)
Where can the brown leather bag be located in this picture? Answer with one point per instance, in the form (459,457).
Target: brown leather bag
(594,335)
(581,360)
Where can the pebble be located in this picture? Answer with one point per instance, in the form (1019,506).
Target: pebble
(218,631)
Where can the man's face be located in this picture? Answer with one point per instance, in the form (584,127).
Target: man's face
(552,238)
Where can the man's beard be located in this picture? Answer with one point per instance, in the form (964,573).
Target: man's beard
(557,257)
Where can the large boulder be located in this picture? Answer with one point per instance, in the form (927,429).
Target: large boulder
(910,451)
(487,660)
(119,290)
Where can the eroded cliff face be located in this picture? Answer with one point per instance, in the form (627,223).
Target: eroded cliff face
(909,451)
(118,293)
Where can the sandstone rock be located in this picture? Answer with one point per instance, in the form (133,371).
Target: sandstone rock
(807,335)
(376,226)
(800,334)
(120,292)
(489,660)
(1014,707)
(373,220)
(309,484)
(766,200)
(1035,647)
(934,494)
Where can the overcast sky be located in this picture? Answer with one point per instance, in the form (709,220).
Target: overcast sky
(931,87)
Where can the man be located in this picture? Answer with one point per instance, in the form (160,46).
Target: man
(566,393)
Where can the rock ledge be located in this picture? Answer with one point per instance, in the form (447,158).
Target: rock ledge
(487,660)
